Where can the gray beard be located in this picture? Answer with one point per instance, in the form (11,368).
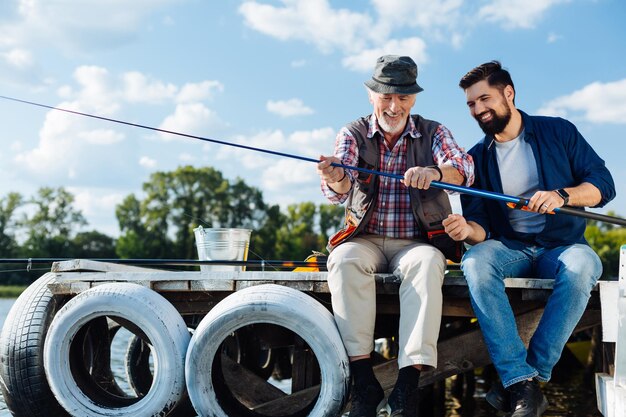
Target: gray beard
(391,129)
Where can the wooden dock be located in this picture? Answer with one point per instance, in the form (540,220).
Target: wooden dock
(251,325)
(460,348)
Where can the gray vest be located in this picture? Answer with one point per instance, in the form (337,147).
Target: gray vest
(430,206)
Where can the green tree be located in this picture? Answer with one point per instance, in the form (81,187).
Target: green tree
(8,224)
(139,239)
(331,220)
(264,238)
(606,240)
(296,237)
(93,244)
(52,226)
(179,201)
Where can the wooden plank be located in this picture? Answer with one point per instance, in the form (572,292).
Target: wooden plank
(171,286)
(282,276)
(305,370)
(212,285)
(535,283)
(251,390)
(298,285)
(89,265)
(293,401)
(240,285)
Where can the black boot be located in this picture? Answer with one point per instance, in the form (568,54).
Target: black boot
(527,400)
(367,393)
(404,398)
(498,397)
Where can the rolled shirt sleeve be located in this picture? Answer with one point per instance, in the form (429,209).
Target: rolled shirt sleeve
(447,152)
(347,151)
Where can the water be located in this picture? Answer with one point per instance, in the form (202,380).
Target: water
(570,398)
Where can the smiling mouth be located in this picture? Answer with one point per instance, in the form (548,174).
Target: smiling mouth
(486,116)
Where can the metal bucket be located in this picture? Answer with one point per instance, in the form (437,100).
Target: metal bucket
(221,244)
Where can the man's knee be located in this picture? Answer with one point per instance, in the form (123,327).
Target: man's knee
(480,266)
(582,268)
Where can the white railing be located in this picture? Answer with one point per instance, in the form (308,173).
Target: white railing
(611,390)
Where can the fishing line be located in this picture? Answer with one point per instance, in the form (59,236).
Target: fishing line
(171,262)
(512,202)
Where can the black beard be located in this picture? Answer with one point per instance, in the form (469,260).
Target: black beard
(497,124)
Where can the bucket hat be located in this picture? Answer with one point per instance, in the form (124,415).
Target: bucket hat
(394,74)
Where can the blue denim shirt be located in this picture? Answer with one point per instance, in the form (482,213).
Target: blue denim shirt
(564,159)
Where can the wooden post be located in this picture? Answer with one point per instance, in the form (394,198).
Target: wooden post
(305,371)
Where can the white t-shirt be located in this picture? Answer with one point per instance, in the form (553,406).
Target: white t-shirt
(518,172)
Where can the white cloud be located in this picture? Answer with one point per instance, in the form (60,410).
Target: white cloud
(597,103)
(360,36)
(309,144)
(553,37)
(140,88)
(96,90)
(288,174)
(426,14)
(193,92)
(18,58)
(311,21)
(76,150)
(186,158)
(191,118)
(271,140)
(513,14)
(147,162)
(57,21)
(364,60)
(67,27)
(98,206)
(312,143)
(101,136)
(288,108)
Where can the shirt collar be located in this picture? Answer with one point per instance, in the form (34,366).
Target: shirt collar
(410,129)
(527,129)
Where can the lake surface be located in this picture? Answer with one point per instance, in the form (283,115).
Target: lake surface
(570,398)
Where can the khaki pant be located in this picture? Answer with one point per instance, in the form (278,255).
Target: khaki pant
(351,268)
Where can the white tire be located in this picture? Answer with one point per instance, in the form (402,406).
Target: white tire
(25,390)
(272,304)
(146,313)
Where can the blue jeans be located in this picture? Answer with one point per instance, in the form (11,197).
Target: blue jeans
(575,270)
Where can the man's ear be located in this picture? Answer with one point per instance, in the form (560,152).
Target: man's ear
(509,93)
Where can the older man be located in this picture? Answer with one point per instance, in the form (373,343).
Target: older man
(387,227)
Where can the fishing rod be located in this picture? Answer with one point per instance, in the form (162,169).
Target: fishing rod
(172,262)
(183,262)
(512,202)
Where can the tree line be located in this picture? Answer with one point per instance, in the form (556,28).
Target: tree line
(160,224)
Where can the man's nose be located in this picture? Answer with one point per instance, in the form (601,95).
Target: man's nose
(394,104)
(478,108)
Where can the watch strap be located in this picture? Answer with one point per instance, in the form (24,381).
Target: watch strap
(563,194)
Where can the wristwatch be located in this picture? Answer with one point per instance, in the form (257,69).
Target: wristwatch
(563,194)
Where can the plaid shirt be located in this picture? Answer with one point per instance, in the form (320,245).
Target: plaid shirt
(392,215)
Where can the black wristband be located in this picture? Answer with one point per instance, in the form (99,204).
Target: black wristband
(563,194)
(438,170)
(344,176)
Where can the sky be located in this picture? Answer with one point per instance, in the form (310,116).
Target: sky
(279,75)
